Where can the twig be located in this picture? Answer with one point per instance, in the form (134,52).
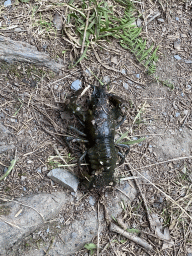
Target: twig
(135,239)
(98,229)
(163,162)
(84,36)
(9,223)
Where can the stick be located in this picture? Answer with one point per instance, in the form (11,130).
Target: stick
(135,239)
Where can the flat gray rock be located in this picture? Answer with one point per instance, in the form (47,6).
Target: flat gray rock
(22,217)
(64,178)
(11,51)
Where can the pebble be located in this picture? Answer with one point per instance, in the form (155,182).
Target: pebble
(161,20)
(177,57)
(76,85)
(88,72)
(13,120)
(177,18)
(58,21)
(18,29)
(188,61)
(7,3)
(39,170)
(114,60)
(188,87)
(106,79)
(23,178)
(137,75)
(64,178)
(177,45)
(129,81)
(123,71)
(177,114)
(126,86)
(91,200)
(139,22)
(183,35)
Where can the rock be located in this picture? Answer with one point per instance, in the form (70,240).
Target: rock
(139,22)
(177,57)
(188,61)
(13,228)
(106,79)
(177,45)
(7,3)
(11,51)
(76,85)
(77,234)
(64,178)
(114,60)
(161,20)
(137,75)
(58,21)
(125,85)
(123,71)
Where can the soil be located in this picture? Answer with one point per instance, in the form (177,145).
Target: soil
(31,108)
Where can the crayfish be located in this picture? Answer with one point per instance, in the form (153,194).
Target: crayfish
(99,122)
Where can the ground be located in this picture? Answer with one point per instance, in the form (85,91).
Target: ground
(31,108)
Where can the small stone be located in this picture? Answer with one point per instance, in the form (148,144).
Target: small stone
(139,22)
(177,114)
(88,72)
(137,75)
(76,85)
(164,29)
(64,178)
(18,29)
(161,20)
(58,21)
(23,178)
(183,35)
(188,87)
(123,71)
(188,61)
(44,169)
(177,18)
(39,170)
(7,3)
(106,79)
(177,57)
(126,86)
(13,120)
(177,45)
(114,60)
(186,112)
(91,201)
(29,161)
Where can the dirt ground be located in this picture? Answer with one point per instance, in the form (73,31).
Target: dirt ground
(31,108)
